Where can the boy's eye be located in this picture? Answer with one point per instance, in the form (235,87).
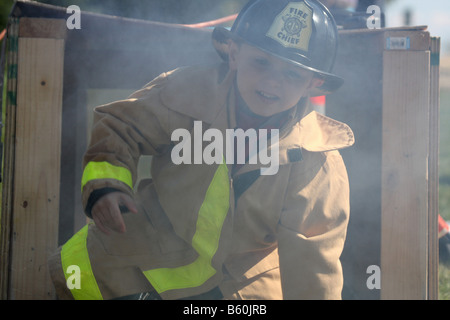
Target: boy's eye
(261,62)
(293,75)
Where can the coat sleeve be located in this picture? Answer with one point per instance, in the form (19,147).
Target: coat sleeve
(312,230)
(123,131)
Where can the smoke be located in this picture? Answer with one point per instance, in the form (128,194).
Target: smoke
(169,11)
(110,53)
(120,46)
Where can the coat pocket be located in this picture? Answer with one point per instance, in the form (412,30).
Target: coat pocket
(139,239)
(168,241)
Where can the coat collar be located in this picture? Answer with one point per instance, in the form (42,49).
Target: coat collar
(318,133)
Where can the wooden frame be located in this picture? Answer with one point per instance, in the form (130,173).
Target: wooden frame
(404,182)
(37,140)
(390,99)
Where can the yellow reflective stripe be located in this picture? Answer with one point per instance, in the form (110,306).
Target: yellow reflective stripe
(205,241)
(74,252)
(105,170)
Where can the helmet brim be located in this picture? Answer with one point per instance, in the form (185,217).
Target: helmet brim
(221,37)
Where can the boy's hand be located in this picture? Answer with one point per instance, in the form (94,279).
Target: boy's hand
(107,214)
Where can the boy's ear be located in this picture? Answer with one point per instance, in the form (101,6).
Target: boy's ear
(315,83)
(233,49)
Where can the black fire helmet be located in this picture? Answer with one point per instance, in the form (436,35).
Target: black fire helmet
(303,33)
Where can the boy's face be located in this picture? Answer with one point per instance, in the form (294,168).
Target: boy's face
(268,85)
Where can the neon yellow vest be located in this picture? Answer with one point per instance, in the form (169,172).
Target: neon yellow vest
(205,241)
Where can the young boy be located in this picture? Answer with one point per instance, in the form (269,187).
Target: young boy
(208,226)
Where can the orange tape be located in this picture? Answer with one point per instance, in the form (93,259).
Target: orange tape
(2,34)
(212,23)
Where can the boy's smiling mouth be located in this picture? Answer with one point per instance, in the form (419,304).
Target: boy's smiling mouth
(268,96)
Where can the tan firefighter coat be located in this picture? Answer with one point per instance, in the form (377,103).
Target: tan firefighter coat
(280,239)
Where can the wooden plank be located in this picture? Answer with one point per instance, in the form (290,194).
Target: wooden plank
(8,164)
(405,136)
(42,28)
(407,40)
(382,30)
(37,166)
(433,175)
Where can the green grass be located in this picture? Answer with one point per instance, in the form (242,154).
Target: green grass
(444,133)
(444,183)
(444,282)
